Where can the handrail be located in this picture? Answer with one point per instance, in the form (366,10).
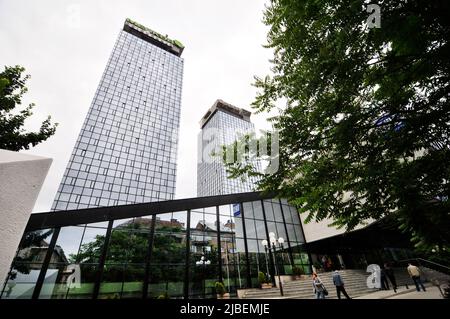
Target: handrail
(434,263)
(419,260)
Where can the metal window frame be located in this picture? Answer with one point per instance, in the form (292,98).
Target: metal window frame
(58,219)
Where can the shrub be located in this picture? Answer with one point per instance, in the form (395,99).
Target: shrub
(298,271)
(220,288)
(163,296)
(262,278)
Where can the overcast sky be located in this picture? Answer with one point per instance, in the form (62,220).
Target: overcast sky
(65,46)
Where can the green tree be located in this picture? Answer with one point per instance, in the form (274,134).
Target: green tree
(365,129)
(12,135)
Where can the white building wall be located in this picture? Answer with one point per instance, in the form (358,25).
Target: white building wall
(21,178)
(319,230)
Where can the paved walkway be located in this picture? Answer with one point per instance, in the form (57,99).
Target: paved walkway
(432,292)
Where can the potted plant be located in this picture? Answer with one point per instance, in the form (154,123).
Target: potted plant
(264,280)
(163,296)
(221,291)
(317,266)
(298,272)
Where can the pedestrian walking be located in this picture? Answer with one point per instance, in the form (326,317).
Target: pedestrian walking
(339,283)
(390,274)
(324,261)
(383,279)
(414,273)
(319,288)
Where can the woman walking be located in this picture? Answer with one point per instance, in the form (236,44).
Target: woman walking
(319,288)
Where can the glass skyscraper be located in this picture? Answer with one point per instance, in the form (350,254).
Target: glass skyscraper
(222,124)
(126,150)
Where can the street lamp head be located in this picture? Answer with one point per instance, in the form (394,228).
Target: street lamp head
(273,240)
(202,258)
(208,262)
(271,235)
(264,243)
(281,240)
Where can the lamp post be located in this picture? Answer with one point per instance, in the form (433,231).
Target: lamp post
(273,241)
(203,262)
(265,244)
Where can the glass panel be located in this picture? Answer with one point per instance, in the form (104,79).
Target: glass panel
(100,225)
(272,229)
(225,210)
(227,225)
(210,210)
(295,215)
(248,209)
(202,279)
(277,212)
(169,245)
(287,214)
(257,210)
(253,250)
(260,229)
(112,281)
(27,264)
(68,243)
(133,280)
(269,211)
(195,219)
(166,281)
(21,282)
(298,232)
(119,222)
(181,218)
(91,245)
(210,220)
(240,245)
(233,276)
(250,228)
(69,281)
(238,227)
(291,232)
(254,269)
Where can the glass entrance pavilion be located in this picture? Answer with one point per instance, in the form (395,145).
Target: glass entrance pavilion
(169,249)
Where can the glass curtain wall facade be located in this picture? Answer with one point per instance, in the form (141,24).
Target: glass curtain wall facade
(176,254)
(222,125)
(127,147)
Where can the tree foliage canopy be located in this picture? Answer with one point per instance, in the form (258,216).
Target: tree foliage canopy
(12,134)
(365,130)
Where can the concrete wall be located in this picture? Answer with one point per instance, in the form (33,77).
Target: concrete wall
(319,230)
(21,178)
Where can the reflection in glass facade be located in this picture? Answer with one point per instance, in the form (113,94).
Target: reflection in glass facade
(177,254)
(126,150)
(221,125)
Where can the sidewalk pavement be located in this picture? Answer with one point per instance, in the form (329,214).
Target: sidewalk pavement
(432,292)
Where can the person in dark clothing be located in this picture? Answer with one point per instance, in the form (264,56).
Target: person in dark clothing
(383,279)
(339,283)
(390,274)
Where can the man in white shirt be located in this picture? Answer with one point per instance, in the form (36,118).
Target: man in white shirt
(414,273)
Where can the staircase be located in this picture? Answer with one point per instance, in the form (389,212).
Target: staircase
(354,279)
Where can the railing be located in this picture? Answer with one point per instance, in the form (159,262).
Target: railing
(425,263)
(443,284)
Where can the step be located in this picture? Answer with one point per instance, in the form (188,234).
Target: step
(355,285)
